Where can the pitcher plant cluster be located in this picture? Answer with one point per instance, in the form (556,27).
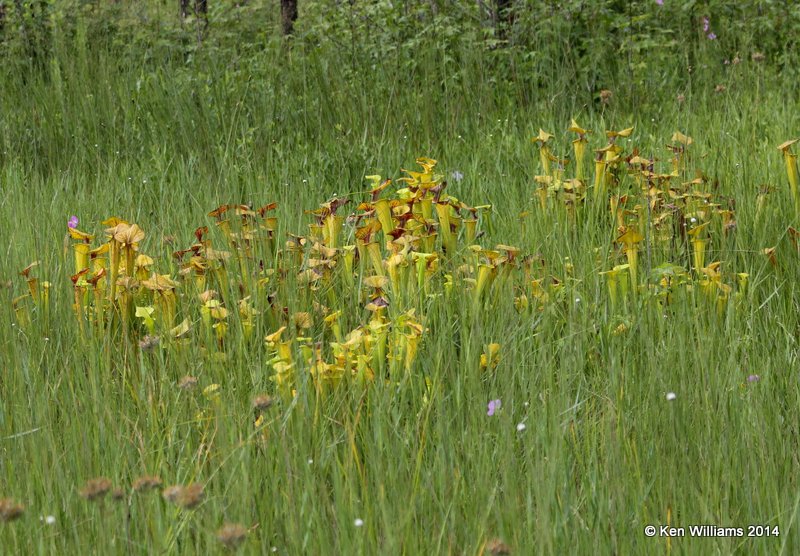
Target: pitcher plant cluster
(349,298)
(666,220)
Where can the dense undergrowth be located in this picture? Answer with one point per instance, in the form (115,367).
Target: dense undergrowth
(273,342)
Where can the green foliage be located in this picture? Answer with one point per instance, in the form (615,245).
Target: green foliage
(119,109)
(542,44)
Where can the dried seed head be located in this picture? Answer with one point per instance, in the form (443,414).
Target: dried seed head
(10,510)
(758,57)
(187,383)
(95,489)
(148,482)
(496,547)
(172,493)
(148,343)
(720,89)
(231,535)
(191,496)
(260,403)
(605,96)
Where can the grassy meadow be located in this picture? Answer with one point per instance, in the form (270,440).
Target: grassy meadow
(316,377)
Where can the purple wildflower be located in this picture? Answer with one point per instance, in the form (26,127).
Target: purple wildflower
(753,378)
(72,222)
(494,405)
(710,35)
(660,2)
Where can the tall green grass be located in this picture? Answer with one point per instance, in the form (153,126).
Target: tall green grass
(603,453)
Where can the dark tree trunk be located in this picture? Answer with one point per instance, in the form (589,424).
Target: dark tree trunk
(503,18)
(198,8)
(201,11)
(288,15)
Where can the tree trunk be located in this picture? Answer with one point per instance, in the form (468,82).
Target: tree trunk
(288,15)
(201,11)
(503,18)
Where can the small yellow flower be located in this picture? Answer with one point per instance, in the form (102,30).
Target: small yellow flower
(211,392)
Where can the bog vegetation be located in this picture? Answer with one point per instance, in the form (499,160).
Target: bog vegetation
(419,278)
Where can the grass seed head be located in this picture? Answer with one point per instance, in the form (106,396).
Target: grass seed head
(148,343)
(148,482)
(231,535)
(187,382)
(261,403)
(10,509)
(172,493)
(191,496)
(496,547)
(96,489)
